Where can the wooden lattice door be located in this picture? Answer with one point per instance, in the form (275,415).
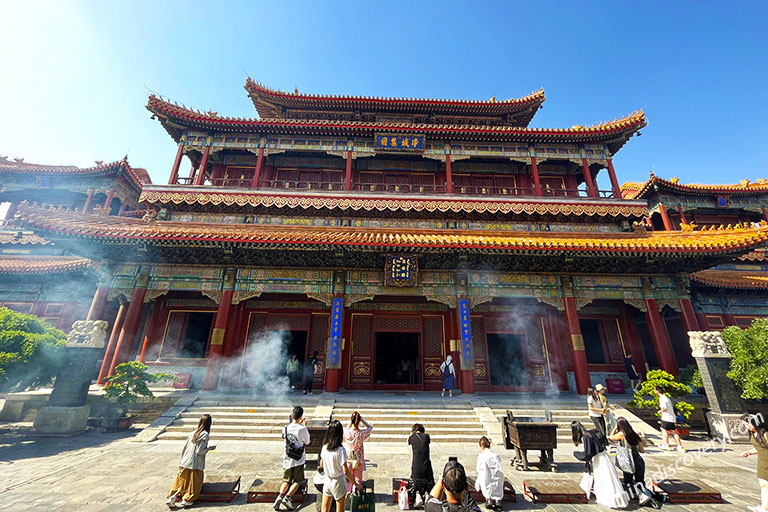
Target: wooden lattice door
(361,350)
(433,350)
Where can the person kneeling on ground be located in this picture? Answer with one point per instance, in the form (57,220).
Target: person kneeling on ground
(296,438)
(490,475)
(189,481)
(451,493)
(333,461)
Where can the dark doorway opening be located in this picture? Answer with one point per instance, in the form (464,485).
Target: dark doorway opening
(645,338)
(294,342)
(505,357)
(397,358)
(197,334)
(593,342)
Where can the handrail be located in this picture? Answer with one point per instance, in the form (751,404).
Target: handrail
(303,185)
(402,189)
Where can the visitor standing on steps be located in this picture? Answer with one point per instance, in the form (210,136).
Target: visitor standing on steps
(189,481)
(632,373)
(311,365)
(596,408)
(296,438)
(292,371)
(355,438)
(449,376)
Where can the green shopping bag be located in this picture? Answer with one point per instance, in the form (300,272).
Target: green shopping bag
(362,501)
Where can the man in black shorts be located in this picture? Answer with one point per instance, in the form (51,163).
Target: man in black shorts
(297,435)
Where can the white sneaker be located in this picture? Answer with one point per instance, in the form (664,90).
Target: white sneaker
(278,502)
(663,446)
(681,449)
(185,504)
(287,503)
(309,393)
(172,501)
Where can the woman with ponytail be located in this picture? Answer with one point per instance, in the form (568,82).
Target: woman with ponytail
(189,481)
(355,438)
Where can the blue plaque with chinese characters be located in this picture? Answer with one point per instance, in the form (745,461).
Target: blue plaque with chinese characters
(334,344)
(400,142)
(466,334)
(401,270)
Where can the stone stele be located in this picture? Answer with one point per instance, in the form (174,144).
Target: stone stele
(66,412)
(714,360)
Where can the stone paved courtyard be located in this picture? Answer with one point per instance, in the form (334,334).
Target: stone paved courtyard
(99,471)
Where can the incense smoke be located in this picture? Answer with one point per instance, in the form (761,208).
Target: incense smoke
(261,367)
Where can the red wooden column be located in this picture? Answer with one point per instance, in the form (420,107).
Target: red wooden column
(580,369)
(633,343)
(535,176)
(109,198)
(124,344)
(681,214)
(110,350)
(176,163)
(257,172)
(614,182)
(348,172)
(665,218)
(99,302)
(154,318)
(688,316)
(203,164)
(448,176)
(88,199)
(213,369)
(591,190)
(661,343)
(192,174)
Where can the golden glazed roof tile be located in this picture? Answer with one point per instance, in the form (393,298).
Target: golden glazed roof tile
(743,279)
(125,230)
(137,176)
(638,190)
(42,264)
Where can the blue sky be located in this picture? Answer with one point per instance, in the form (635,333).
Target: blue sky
(77,74)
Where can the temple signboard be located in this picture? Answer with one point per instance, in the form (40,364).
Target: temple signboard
(400,142)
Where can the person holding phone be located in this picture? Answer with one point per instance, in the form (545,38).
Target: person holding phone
(296,437)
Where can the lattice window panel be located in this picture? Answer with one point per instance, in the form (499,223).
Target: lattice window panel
(19,307)
(278,322)
(318,334)
(287,175)
(362,334)
(333,177)
(505,181)
(423,179)
(173,332)
(433,336)
(372,178)
(462,180)
(503,324)
(257,324)
(397,323)
(535,336)
(478,337)
(613,341)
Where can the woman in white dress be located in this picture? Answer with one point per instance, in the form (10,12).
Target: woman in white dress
(490,475)
(600,476)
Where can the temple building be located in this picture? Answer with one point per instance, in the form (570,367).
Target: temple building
(386,234)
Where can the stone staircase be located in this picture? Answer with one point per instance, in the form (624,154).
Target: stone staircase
(240,419)
(393,424)
(244,418)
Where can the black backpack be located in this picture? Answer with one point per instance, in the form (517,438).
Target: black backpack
(290,449)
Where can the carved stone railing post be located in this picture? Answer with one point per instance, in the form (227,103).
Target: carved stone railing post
(66,412)
(714,360)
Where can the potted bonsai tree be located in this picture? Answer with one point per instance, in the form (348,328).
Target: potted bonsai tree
(645,398)
(130,381)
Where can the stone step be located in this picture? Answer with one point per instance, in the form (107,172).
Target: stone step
(217,436)
(192,419)
(403,431)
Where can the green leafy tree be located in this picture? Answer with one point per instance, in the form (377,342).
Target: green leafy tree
(646,398)
(691,377)
(31,350)
(749,365)
(130,382)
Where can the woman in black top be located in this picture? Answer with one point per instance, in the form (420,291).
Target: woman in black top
(422,478)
